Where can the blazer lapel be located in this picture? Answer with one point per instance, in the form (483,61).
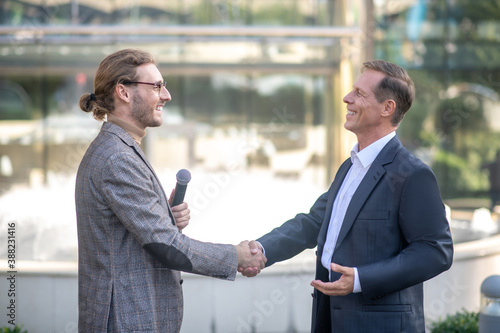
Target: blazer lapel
(128,140)
(139,151)
(358,199)
(334,189)
(371,179)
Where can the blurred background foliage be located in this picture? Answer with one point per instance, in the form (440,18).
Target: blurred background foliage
(454,58)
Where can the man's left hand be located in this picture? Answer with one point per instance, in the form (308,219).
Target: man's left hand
(181,212)
(341,287)
(181,215)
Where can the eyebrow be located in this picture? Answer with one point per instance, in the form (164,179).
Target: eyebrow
(155,81)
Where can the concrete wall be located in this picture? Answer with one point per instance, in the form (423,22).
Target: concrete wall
(46,296)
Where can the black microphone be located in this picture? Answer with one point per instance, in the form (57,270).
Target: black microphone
(183,177)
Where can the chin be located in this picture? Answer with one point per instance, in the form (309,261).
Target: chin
(156,121)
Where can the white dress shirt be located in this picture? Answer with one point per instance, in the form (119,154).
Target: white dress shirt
(361,162)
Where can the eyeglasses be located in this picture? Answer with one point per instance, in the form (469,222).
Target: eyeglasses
(156,86)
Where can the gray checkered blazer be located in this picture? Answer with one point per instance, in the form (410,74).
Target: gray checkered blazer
(130,251)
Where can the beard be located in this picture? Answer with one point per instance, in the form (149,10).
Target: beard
(143,113)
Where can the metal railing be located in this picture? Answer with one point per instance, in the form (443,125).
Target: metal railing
(76,34)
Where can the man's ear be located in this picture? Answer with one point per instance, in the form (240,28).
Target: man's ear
(389,108)
(122,93)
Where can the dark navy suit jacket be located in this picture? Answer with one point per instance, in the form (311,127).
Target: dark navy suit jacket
(395,232)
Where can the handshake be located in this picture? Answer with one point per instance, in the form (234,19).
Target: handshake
(250,258)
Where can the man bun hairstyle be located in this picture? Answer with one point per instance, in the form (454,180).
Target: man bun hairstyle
(116,68)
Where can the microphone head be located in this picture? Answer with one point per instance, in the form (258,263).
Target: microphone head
(183,176)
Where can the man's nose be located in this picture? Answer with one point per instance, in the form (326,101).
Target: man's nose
(165,94)
(347,98)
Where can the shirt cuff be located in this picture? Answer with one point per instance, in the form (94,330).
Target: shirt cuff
(262,248)
(357,285)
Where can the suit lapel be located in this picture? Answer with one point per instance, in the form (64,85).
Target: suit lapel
(332,194)
(128,140)
(371,179)
(139,151)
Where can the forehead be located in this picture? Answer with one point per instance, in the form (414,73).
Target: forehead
(369,79)
(149,73)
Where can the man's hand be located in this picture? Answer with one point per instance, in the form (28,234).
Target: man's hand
(250,258)
(181,212)
(252,271)
(341,287)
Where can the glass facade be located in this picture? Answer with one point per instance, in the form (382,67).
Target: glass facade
(257,91)
(252,84)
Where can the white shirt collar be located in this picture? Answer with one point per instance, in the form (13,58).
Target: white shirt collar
(368,155)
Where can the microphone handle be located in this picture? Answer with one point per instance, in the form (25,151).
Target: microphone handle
(180,192)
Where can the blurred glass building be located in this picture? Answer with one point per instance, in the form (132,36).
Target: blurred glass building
(268,74)
(256,74)
(256,84)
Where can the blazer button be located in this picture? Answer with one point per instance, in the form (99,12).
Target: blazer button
(181,281)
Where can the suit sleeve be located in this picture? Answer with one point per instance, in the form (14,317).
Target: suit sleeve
(429,249)
(136,198)
(295,235)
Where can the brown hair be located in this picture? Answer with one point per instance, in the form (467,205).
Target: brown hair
(397,85)
(116,68)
